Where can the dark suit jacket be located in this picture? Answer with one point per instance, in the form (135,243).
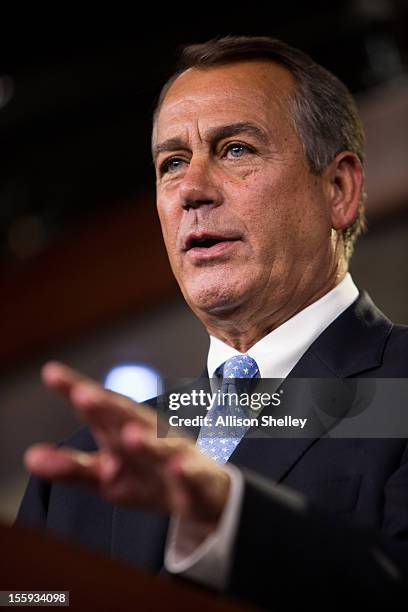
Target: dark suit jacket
(354,531)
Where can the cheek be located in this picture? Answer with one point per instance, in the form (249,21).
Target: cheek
(262,207)
(284,217)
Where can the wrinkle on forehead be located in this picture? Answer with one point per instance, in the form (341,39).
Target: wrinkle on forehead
(253,91)
(259,77)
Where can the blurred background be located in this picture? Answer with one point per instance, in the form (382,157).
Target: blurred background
(83,273)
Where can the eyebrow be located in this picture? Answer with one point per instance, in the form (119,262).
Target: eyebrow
(214,135)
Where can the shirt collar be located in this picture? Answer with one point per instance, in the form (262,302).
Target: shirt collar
(278,352)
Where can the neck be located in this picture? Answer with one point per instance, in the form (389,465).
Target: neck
(247,324)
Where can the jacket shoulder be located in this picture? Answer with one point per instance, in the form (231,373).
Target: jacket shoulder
(395,356)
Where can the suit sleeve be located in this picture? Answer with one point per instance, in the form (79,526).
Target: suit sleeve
(296,552)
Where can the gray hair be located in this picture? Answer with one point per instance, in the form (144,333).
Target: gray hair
(323,111)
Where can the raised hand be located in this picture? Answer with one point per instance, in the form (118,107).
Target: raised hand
(132,466)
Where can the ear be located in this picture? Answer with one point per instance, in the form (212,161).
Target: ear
(345,181)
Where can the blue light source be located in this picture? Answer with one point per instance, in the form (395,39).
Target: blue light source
(137,381)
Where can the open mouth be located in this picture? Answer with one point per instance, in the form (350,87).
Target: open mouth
(207,242)
(204,243)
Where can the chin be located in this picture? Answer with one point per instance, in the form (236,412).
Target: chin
(216,299)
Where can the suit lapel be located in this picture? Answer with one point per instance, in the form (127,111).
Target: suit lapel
(353,344)
(274,457)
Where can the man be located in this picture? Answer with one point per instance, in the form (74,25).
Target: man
(258,153)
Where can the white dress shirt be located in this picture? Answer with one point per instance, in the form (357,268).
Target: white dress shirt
(208,561)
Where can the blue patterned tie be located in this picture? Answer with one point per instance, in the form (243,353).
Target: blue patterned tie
(220,442)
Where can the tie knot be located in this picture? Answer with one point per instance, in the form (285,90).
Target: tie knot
(240,366)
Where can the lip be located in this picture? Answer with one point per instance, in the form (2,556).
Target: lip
(206,253)
(224,243)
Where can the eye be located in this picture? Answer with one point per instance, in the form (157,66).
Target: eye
(171,165)
(236,149)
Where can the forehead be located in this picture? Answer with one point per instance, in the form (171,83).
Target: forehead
(258,91)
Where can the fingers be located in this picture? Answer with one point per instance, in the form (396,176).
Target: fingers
(195,485)
(133,466)
(61,377)
(62,464)
(106,412)
(138,439)
(156,474)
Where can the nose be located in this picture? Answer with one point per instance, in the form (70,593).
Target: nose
(199,186)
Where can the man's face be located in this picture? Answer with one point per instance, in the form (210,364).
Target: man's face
(246,225)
